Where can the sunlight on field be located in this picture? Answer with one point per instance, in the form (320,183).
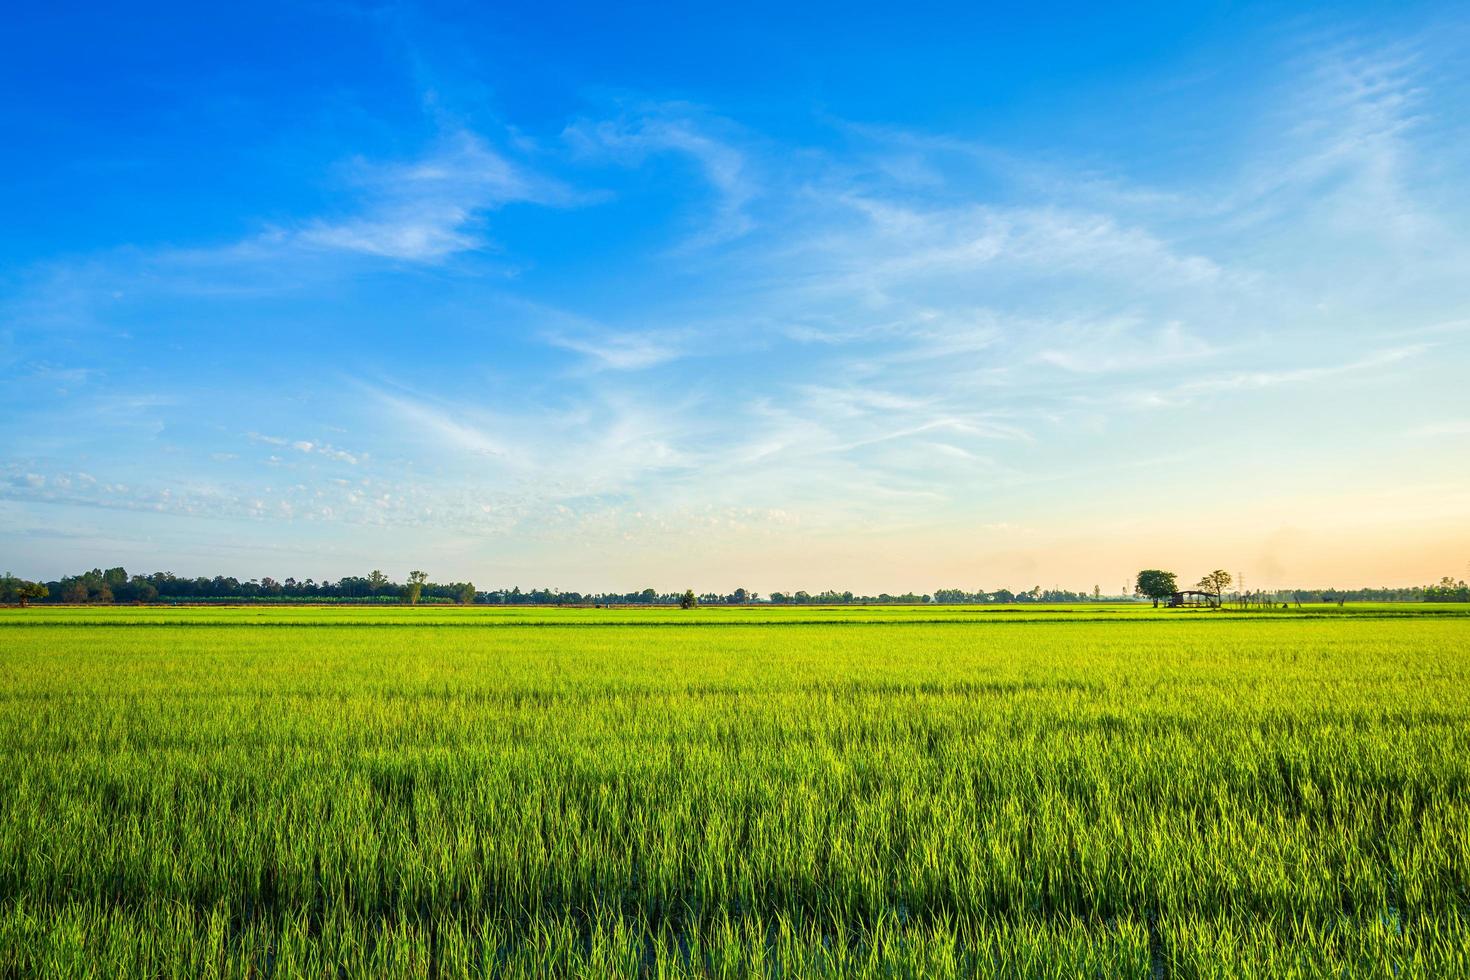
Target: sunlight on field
(919,791)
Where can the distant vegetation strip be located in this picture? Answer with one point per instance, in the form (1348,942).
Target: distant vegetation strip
(114,585)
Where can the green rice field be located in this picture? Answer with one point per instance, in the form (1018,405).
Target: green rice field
(1089,791)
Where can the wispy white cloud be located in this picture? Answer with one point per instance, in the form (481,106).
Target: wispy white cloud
(1252,380)
(622,350)
(430,208)
(1344,146)
(905,243)
(454,430)
(1121,346)
(682,129)
(310,447)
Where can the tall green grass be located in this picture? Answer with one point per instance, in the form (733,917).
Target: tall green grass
(228,794)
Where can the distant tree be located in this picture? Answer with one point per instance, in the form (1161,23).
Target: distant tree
(1152,583)
(415,587)
(688,600)
(1215,582)
(1096,593)
(738,597)
(466,593)
(141,590)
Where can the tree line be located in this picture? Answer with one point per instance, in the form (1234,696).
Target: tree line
(115,585)
(1448,590)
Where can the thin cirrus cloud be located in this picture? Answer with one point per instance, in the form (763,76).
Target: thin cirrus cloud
(1122,346)
(621,351)
(431,208)
(676,128)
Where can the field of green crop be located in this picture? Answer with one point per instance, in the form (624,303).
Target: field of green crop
(1084,791)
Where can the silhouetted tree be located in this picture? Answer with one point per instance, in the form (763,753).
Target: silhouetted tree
(1215,582)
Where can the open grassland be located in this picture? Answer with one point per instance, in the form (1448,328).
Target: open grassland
(888,792)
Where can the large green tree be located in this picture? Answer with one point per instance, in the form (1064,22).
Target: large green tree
(1155,584)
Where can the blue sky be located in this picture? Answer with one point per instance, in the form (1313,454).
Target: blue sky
(794,296)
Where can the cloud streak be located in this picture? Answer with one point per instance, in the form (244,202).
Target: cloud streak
(429,209)
(678,129)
